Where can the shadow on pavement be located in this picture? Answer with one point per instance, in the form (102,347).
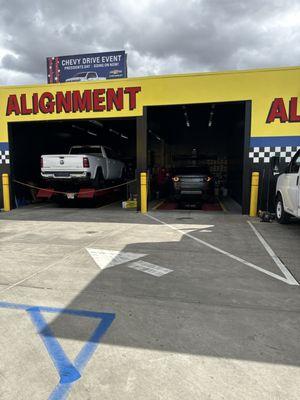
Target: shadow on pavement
(200,308)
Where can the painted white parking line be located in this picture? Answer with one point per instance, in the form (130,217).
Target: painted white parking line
(47,267)
(276,260)
(111,258)
(39,271)
(226,253)
(149,268)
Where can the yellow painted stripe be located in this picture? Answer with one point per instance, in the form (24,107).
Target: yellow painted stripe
(158,205)
(222,206)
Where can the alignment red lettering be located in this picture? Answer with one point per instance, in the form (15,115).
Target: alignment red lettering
(114,98)
(294,117)
(277,110)
(132,92)
(12,105)
(63,102)
(82,102)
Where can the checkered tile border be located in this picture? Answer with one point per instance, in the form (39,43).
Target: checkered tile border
(4,157)
(264,154)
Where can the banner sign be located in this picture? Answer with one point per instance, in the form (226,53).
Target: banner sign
(87,67)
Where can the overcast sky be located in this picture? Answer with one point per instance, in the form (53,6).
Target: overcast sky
(160,36)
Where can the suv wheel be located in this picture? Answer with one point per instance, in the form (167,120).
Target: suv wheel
(281,216)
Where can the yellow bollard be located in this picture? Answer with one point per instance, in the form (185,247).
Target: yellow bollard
(144,204)
(254,194)
(6,195)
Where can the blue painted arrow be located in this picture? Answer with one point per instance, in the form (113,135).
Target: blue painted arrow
(68,372)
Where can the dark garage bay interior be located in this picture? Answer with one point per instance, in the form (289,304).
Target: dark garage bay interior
(30,140)
(214,135)
(201,134)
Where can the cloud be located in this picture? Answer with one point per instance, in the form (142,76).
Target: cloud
(160,36)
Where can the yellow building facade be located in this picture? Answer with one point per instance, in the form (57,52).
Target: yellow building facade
(273,95)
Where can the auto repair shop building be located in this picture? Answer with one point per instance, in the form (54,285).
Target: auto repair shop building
(235,122)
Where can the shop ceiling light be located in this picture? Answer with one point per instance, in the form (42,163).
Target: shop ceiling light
(92,121)
(115,132)
(78,127)
(92,133)
(211,114)
(187,121)
(155,135)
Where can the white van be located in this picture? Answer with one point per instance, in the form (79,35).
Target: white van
(288,192)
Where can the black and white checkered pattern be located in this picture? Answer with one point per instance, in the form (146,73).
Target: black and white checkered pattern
(4,156)
(264,154)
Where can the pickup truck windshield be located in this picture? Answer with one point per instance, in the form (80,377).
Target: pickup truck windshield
(85,150)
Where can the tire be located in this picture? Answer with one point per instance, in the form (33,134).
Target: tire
(99,179)
(123,175)
(181,204)
(281,216)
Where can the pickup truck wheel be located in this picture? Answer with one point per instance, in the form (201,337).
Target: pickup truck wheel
(99,179)
(123,175)
(281,216)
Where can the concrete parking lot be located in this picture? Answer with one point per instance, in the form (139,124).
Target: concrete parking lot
(111,304)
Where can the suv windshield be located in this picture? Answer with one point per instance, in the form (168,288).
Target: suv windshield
(85,150)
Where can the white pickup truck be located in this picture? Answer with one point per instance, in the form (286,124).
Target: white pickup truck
(288,192)
(92,164)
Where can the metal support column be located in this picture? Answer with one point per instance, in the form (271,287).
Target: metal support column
(141,150)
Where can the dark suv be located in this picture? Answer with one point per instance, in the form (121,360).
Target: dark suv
(192,182)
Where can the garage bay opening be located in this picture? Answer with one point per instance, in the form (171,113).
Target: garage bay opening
(197,155)
(87,159)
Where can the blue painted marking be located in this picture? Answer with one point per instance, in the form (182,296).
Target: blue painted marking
(275,141)
(84,355)
(80,313)
(60,392)
(4,146)
(67,371)
(14,306)
(88,350)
